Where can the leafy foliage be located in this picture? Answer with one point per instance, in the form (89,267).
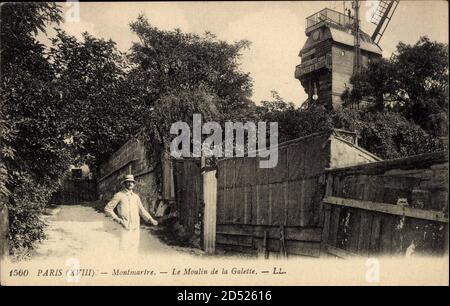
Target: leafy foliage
(293,122)
(34,154)
(386,133)
(91,79)
(174,75)
(29,202)
(20,23)
(169,62)
(413,82)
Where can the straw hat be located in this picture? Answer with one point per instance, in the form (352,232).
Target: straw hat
(129,178)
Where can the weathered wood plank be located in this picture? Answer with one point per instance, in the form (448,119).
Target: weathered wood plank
(262,174)
(355,227)
(230,176)
(318,205)
(263,205)
(374,246)
(365,233)
(220,206)
(255,205)
(246,241)
(209,216)
(326,226)
(239,168)
(249,194)
(308,191)
(412,162)
(239,205)
(228,205)
(330,183)
(388,209)
(387,224)
(248,172)
(273,232)
(236,248)
(303,248)
(334,224)
(306,218)
(397,235)
(296,161)
(341,253)
(279,173)
(276,215)
(300,248)
(293,203)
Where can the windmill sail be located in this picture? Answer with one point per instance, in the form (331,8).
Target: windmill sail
(381,18)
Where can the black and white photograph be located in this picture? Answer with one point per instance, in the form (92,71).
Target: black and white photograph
(219,143)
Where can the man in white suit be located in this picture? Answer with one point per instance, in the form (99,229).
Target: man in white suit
(129,211)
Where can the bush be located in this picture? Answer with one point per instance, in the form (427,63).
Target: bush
(27,202)
(34,155)
(387,134)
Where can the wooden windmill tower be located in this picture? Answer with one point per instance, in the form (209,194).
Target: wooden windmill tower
(336,48)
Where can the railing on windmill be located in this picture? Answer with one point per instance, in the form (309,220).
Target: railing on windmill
(329,16)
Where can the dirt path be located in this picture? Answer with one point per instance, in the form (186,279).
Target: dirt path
(75,230)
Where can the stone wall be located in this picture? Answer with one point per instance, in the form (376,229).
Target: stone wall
(131,159)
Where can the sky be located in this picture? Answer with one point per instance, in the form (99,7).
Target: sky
(276,30)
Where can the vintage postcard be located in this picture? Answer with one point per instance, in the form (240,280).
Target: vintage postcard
(224,143)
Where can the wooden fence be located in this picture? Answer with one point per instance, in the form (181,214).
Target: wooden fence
(74,191)
(311,204)
(278,211)
(390,207)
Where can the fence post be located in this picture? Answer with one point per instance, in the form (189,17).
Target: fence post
(209,214)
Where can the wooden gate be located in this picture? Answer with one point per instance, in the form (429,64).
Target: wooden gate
(74,191)
(187,180)
(209,216)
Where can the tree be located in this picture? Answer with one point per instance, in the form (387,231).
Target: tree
(167,62)
(386,134)
(293,122)
(92,80)
(413,82)
(422,74)
(173,75)
(20,23)
(34,153)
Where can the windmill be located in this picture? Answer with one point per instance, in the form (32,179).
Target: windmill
(337,47)
(381,18)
